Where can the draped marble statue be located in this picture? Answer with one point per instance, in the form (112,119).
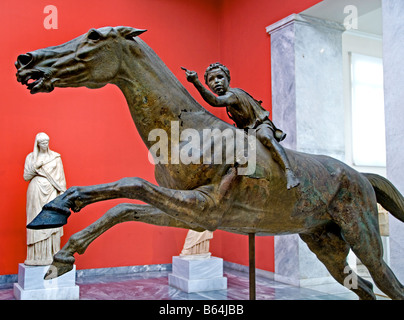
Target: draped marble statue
(196,245)
(44,170)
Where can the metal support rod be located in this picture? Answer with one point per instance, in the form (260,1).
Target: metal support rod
(251,249)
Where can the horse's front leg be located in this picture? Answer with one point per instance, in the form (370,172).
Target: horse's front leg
(56,212)
(203,206)
(78,243)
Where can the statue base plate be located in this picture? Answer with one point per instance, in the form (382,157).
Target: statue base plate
(197,275)
(32,286)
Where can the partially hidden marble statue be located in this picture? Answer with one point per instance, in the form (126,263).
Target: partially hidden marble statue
(196,245)
(44,170)
(333,209)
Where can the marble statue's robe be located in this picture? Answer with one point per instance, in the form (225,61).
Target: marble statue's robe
(197,242)
(45,184)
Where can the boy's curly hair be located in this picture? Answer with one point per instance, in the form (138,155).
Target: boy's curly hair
(217,65)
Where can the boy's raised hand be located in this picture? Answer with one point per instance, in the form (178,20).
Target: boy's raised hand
(192,76)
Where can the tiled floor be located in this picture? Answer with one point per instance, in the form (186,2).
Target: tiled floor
(154,286)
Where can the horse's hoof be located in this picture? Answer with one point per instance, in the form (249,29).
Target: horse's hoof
(293,184)
(49,218)
(292,180)
(56,269)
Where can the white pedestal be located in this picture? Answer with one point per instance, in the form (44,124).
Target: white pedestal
(197,275)
(32,286)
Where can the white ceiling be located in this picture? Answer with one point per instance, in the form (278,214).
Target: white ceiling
(369,11)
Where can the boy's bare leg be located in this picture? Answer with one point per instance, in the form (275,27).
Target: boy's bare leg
(291,179)
(265,135)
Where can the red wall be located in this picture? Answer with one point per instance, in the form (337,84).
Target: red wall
(93,130)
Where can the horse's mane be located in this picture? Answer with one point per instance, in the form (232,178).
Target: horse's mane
(160,68)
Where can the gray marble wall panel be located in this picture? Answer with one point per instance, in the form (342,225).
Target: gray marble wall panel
(393,53)
(122,270)
(287,268)
(283,83)
(319,88)
(307,84)
(307,103)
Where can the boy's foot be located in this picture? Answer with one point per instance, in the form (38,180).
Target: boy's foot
(291,179)
(280,135)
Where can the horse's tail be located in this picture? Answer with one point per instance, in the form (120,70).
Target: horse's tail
(387,195)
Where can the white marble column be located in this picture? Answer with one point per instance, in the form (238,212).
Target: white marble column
(307,103)
(393,52)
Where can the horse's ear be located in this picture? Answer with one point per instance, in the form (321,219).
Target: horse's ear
(130,33)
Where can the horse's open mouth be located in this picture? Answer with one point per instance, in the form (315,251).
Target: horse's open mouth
(35,80)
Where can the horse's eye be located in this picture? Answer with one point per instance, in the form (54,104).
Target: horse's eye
(94,35)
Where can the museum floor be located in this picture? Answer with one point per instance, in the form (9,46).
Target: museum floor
(154,286)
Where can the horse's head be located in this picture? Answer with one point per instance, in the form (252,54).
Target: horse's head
(91,60)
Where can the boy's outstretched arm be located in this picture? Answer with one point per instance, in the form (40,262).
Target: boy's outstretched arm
(215,101)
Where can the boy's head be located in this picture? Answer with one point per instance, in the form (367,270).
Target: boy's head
(217,78)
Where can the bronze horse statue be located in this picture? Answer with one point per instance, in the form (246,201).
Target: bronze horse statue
(334,208)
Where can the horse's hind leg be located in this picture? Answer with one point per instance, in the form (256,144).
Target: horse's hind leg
(63,260)
(354,210)
(365,241)
(332,251)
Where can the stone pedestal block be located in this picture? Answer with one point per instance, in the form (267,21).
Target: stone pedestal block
(32,286)
(197,275)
